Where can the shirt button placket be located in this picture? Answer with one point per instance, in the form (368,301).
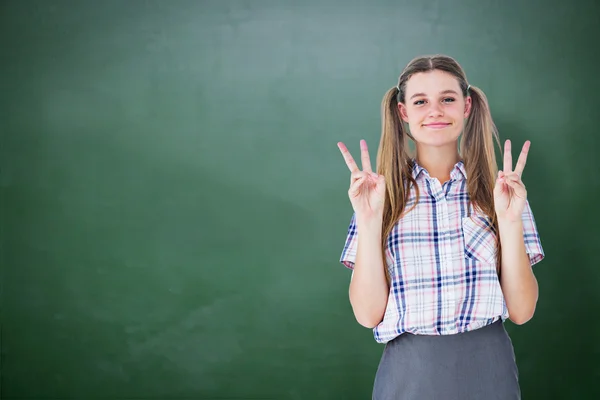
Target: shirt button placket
(442,226)
(446,252)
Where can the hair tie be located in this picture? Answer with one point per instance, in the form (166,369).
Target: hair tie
(468,87)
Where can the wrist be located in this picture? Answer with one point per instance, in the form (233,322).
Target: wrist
(509,226)
(370,222)
(509,222)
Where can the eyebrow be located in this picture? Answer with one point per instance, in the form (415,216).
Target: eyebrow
(442,92)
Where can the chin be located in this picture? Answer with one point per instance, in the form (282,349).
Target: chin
(436,138)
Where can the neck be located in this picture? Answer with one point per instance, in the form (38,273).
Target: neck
(438,161)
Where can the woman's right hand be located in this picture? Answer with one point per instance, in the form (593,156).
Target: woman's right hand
(367,188)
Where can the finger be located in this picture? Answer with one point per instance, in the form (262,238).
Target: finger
(507,158)
(518,187)
(498,190)
(358,174)
(348,157)
(512,178)
(522,158)
(355,186)
(512,175)
(364,152)
(499,187)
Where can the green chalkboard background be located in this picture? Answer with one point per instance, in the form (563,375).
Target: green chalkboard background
(173,203)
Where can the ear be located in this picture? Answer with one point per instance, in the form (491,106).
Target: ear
(468,106)
(402,111)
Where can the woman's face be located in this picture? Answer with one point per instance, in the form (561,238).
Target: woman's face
(434,108)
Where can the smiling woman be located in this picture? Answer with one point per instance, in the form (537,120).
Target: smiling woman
(435,112)
(441,243)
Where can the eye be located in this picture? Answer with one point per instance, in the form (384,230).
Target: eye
(419,102)
(449,100)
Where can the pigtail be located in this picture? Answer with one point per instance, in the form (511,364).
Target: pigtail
(393,162)
(477,149)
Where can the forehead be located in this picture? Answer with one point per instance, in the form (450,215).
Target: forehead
(431,83)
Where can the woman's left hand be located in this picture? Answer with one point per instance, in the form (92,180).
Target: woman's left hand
(510,194)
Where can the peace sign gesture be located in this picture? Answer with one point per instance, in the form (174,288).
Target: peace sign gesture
(510,194)
(367,188)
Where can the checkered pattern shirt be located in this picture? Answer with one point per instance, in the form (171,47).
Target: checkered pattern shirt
(442,262)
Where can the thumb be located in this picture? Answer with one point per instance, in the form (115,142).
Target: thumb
(378,177)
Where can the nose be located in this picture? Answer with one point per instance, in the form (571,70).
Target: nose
(435,111)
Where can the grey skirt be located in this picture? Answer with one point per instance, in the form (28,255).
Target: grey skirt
(475,365)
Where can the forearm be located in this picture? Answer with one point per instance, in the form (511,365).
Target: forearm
(368,287)
(518,282)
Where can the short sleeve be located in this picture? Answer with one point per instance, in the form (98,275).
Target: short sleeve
(533,243)
(348,256)
(349,251)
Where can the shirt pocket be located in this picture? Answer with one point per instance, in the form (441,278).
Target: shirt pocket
(480,239)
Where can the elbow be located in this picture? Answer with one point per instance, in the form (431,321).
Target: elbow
(521,317)
(368,301)
(369,317)
(368,321)
(521,308)
(520,320)
(368,313)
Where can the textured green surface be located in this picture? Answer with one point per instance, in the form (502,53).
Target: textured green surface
(173,203)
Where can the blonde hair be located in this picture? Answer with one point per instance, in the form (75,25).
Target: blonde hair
(394,160)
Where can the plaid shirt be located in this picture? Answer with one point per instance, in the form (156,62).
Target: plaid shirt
(442,263)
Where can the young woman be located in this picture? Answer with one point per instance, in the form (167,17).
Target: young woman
(441,244)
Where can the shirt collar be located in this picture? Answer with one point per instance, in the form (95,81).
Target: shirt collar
(458,172)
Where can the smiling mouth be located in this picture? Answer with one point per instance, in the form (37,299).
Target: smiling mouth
(437,125)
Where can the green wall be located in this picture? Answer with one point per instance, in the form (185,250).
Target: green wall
(173,203)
